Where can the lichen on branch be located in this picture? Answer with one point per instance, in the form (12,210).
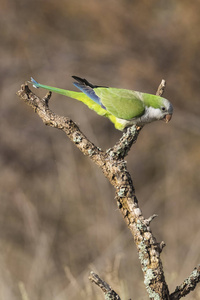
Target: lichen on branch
(114,168)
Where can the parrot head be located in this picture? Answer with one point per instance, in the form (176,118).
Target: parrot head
(166,110)
(157,108)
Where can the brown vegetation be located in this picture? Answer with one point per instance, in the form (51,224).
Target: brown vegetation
(57,211)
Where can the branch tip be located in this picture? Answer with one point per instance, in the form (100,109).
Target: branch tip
(47,97)
(108,291)
(187,286)
(161,246)
(150,219)
(161,88)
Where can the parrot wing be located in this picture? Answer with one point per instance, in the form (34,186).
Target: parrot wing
(122,103)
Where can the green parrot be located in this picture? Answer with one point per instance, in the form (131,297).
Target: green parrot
(123,107)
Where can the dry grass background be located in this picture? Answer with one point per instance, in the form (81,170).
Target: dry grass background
(58,218)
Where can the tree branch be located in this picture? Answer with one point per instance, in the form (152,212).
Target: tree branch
(116,171)
(129,137)
(41,107)
(114,168)
(161,88)
(109,293)
(187,286)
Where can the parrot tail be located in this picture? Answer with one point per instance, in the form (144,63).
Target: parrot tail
(34,83)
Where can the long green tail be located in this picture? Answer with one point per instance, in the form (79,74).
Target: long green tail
(76,95)
(83,98)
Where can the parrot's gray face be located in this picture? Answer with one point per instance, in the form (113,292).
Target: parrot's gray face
(164,112)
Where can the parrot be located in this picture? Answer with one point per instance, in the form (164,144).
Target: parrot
(123,107)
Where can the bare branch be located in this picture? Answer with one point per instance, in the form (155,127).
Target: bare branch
(47,97)
(150,219)
(162,245)
(114,168)
(49,118)
(187,286)
(161,88)
(106,288)
(129,137)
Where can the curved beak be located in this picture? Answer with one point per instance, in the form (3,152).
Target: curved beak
(167,118)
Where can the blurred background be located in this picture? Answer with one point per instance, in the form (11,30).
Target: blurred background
(58,216)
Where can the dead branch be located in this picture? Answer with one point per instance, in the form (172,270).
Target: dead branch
(114,168)
(106,288)
(161,88)
(187,286)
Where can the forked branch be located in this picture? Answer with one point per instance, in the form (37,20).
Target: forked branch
(114,168)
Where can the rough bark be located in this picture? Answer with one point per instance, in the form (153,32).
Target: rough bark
(115,170)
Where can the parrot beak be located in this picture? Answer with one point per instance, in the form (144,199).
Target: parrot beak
(167,118)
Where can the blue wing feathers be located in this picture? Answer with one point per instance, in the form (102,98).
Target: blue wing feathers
(35,83)
(88,91)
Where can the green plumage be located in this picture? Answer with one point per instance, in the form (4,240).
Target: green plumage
(123,104)
(123,107)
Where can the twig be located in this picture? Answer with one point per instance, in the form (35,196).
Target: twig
(187,286)
(150,219)
(106,288)
(161,88)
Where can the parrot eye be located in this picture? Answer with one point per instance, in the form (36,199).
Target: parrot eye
(163,108)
